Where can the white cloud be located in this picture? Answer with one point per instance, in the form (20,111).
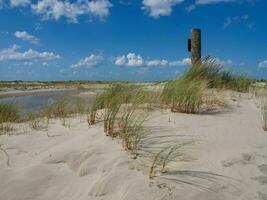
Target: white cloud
(27,37)
(1,4)
(183,62)
(157,8)
(206,2)
(199,2)
(55,9)
(12,54)
(131,60)
(263,64)
(136,60)
(157,62)
(15,3)
(227,62)
(89,61)
(236,19)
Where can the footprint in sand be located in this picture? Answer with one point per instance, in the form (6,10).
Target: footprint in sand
(243,160)
(261,179)
(262,196)
(263,168)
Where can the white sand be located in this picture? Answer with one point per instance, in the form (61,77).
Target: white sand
(228,160)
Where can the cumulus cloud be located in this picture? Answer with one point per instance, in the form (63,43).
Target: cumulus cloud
(136,60)
(157,8)
(89,61)
(55,9)
(27,37)
(263,64)
(131,60)
(15,3)
(12,54)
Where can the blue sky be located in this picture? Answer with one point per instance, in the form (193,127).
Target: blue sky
(140,40)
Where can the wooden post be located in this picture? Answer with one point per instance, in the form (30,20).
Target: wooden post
(195,46)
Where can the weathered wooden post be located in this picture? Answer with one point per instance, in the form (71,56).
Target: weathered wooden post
(194,45)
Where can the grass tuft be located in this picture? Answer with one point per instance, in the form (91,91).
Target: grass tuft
(8,113)
(264,114)
(165,156)
(34,120)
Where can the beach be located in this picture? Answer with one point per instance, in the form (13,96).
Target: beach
(225,159)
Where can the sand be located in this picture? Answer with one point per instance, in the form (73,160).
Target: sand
(226,159)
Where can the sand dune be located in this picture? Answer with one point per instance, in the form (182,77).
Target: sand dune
(227,159)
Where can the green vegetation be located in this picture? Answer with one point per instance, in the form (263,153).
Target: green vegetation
(8,113)
(165,156)
(122,108)
(183,95)
(186,93)
(211,71)
(34,120)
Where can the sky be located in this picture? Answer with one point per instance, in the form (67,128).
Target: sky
(135,40)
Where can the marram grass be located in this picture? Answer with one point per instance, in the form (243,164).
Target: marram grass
(184,95)
(264,114)
(8,113)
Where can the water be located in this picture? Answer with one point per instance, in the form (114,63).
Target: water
(32,102)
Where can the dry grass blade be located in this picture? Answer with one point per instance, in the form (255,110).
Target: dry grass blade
(34,120)
(264,114)
(8,113)
(165,156)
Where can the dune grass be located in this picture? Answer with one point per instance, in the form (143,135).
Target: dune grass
(34,120)
(122,114)
(165,156)
(264,114)
(8,113)
(211,71)
(186,93)
(131,127)
(185,96)
(97,104)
